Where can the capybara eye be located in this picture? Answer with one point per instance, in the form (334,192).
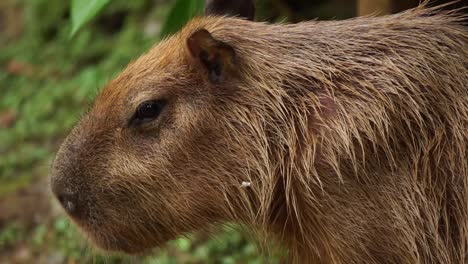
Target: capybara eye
(148,111)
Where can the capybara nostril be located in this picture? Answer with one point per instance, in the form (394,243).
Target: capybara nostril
(68,202)
(68,198)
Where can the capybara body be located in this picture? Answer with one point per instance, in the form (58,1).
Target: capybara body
(352,136)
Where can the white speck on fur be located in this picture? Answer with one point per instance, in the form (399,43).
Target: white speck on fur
(245,184)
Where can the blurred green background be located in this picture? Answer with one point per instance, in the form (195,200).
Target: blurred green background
(48,79)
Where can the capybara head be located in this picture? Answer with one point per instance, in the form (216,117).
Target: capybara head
(344,140)
(154,155)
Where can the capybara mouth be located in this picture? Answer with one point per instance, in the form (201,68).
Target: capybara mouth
(110,240)
(111,231)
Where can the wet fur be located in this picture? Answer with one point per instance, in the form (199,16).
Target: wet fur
(353,134)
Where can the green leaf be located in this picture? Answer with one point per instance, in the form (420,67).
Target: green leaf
(39,235)
(61,224)
(83,11)
(183,244)
(181,12)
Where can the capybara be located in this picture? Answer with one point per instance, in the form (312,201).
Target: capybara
(341,141)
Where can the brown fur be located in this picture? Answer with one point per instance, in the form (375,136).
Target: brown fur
(353,135)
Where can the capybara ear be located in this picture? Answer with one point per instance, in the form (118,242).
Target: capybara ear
(216,56)
(242,8)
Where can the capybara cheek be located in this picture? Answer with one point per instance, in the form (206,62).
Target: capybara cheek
(123,165)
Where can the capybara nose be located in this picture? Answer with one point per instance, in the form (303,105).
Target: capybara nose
(68,202)
(69,199)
